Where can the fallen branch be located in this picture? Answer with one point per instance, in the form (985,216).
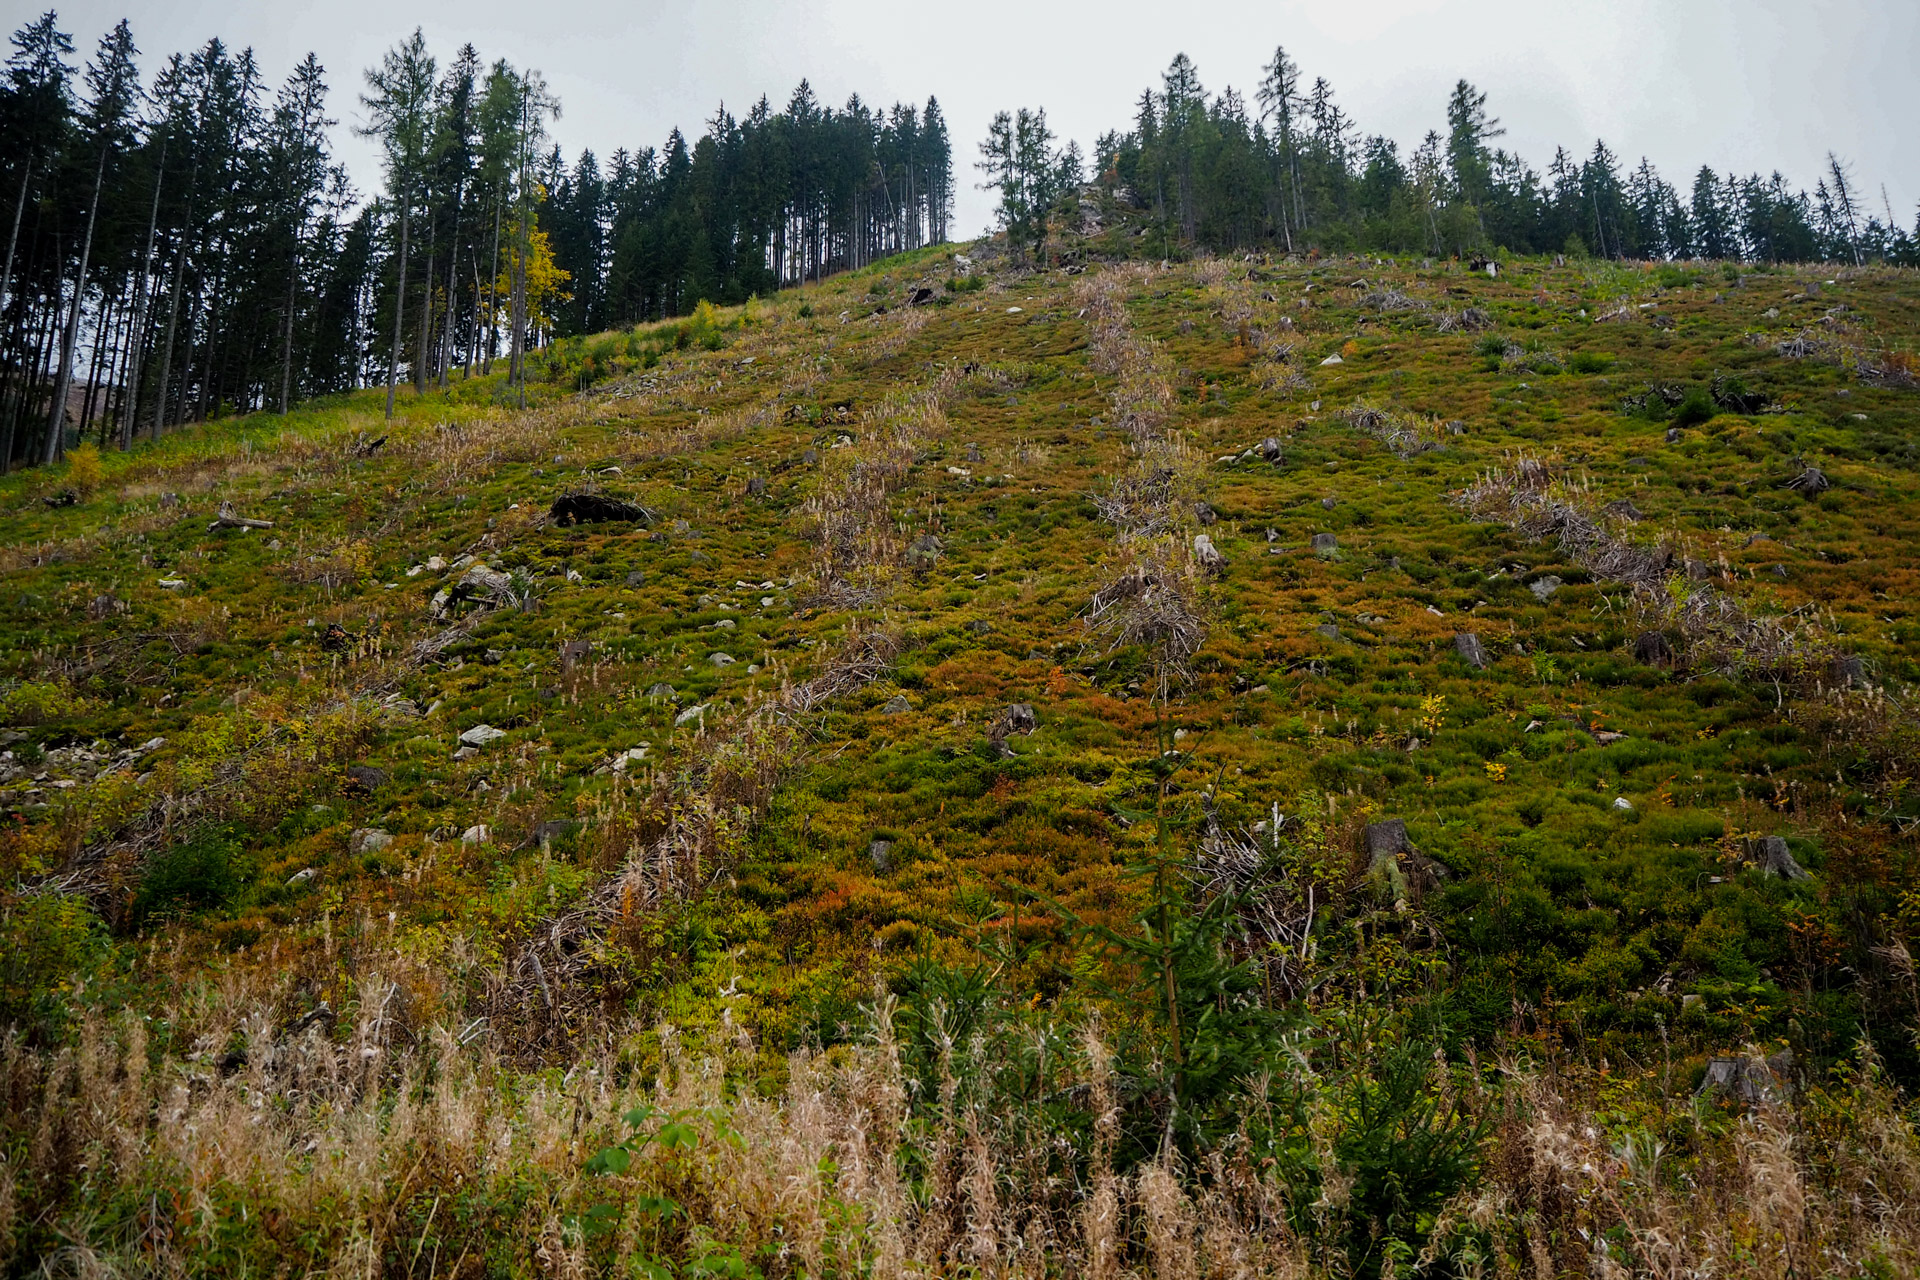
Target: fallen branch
(228,520)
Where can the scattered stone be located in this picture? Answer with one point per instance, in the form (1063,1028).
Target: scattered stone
(721,659)
(1269,449)
(436,564)
(1325,544)
(475,834)
(1623,804)
(880,852)
(1328,504)
(1777,860)
(481,734)
(1333,359)
(1468,646)
(973,453)
(663,690)
(980,626)
(364,777)
(1019,718)
(368,840)
(896,705)
(690,715)
(1327,631)
(301,877)
(1543,588)
(573,652)
(637,578)
(1205,514)
(172,584)
(1673,435)
(466,753)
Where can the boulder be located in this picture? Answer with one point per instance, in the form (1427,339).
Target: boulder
(573,652)
(1206,553)
(368,840)
(1468,646)
(364,777)
(596,508)
(1328,504)
(880,853)
(480,735)
(1543,588)
(1019,718)
(1270,450)
(1327,631)
(475,834)
(721,659)
(1325,544)
(690,715)
(637,578)
(659,691)
(896,705)
(301,877)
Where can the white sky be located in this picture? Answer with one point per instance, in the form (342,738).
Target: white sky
(1741,84)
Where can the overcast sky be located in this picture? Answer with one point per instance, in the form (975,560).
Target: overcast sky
(1738,84)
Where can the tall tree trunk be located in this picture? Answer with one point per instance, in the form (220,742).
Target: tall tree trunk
(20,207)
(130,409)
(286,341)
(421,371)
(56,429)
(162,389)
(493,278)
(399,304)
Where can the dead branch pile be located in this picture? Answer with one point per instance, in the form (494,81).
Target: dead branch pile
(1156,604)
(1466,320)
(1391,300)
(1714,630)
(1406,436)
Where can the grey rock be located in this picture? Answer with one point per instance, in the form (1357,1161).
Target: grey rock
(1328,504)
(1327,631)
(1325,544)
(1206,553)
(466,753)
(1543,588)
(980,626)
(897,705)
(481,734)
(690,715)
(1624,510)
(721,659)
(756,485)
(368,840)
(1270,449)
(1468,646)
(573,652)
(1019,718)
(301,877)
(638,578)
(1751,1080)
(924,551)
(1673,435)
(1205,514)
(662,690)
(880,853)
(476,834)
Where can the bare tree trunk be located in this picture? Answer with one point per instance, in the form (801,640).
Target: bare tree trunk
(161,388)
(399,304)
(421,370)
(493,285)
(56,430)
(20,207)
(130,411)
